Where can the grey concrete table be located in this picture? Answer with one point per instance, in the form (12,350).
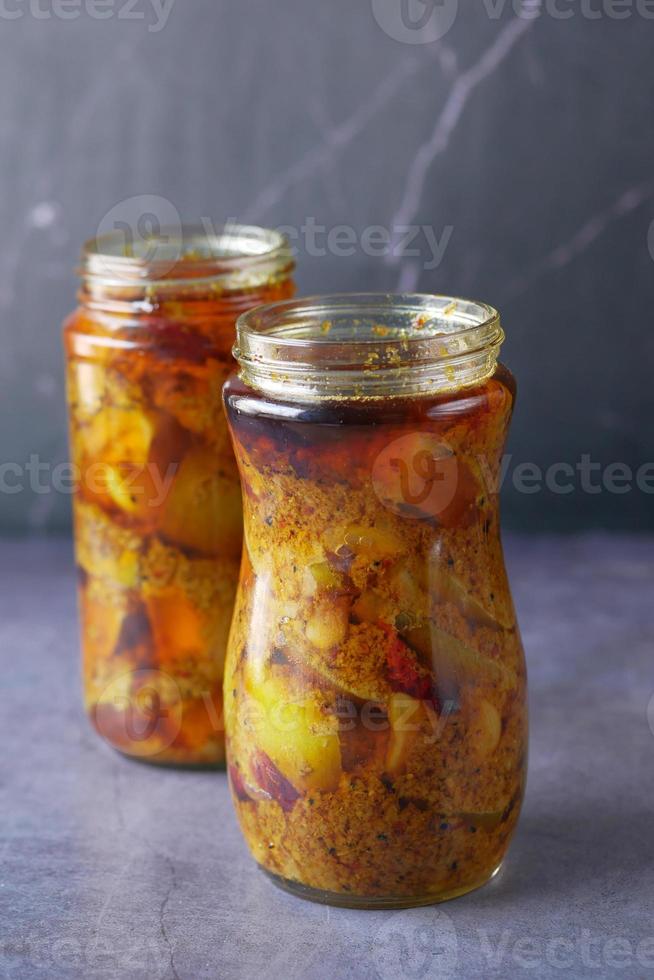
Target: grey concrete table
(113,869)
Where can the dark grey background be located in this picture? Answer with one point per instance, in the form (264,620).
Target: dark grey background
(537,141)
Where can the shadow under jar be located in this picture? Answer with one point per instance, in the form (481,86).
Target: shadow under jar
(375,689)
(157,508)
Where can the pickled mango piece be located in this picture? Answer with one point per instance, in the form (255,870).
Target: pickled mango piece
(193,399)
(486,820)
(114,450)
(187,398)
(129,458)
(176,624)
(92,385)
(104,549)
(364,737)
(486,729)
(135,637)
(454,660)
(419,638)
(102,611)
(406,715)
(408,590)
(237,785)
(298,733)
(328,624)
(119,435)
(369,607)
(272,781)
(448,588)
(325,577)
(203,510)
(120,489)
(136,492)
(357,668)
(189,605)
(86,384)
(373,543)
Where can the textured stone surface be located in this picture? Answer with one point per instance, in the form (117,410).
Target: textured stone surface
(113,869)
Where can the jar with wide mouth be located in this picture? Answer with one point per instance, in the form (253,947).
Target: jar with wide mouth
(375,687)
(157,504)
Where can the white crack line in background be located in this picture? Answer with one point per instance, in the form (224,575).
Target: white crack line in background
(462,88)
(590,231)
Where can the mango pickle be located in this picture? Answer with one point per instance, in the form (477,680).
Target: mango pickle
(375,680)
(157,507)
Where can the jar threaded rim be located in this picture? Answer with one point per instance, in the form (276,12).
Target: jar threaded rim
(230,258)
(363,345)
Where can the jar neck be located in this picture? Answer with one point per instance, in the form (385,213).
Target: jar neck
(364,346)
(231,269)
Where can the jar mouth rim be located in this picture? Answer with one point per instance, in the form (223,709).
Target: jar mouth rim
(360,342)
(362,319)
(179,253)
(417,317)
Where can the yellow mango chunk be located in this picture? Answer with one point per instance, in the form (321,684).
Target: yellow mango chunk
(119,435)
(455,661)
(369,607)
(408,590)
(406,716)
(202,510)
(176,624)
(325,577)
(448,588)
(298,732)
(102,619)
(115,451)
(105,550)
(372,543)
(133,490)
(86,385)
(485,729)
(327,626)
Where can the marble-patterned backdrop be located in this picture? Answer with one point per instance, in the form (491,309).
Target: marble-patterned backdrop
(516,139)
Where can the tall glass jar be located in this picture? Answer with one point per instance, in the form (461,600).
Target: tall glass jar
(375,690)
(157,509)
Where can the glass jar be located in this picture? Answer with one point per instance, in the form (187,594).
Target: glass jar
(375,689)
(157,507)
